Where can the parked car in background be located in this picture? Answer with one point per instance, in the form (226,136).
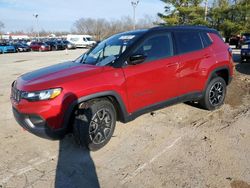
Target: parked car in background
(81,41)
(7,48)
(68,44)
(245,52)
(234,41)
(244,37)
(20,47)
(39,46)
(54,45)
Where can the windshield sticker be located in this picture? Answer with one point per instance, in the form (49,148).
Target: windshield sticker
(127,37)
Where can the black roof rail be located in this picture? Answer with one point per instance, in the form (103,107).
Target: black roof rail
(180,27)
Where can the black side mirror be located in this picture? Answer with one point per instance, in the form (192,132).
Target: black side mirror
(136,59)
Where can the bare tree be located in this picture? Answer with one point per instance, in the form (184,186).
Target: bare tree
(147,22)
(102,28)
(95,27)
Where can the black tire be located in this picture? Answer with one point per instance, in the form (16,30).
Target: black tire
(94,126)
(214,95)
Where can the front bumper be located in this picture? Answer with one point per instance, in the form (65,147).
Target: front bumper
(37,126)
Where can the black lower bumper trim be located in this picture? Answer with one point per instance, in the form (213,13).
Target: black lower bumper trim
(43,132)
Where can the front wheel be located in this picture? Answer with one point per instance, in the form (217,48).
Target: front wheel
(214,95)
(94,126)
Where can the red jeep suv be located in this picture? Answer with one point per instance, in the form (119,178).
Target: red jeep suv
(121,78)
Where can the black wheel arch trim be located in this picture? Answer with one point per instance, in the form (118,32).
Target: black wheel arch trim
(213,72)
(123,111)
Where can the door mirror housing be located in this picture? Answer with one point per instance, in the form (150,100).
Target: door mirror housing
(136,59)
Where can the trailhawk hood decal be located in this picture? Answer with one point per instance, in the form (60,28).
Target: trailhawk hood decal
(56,74)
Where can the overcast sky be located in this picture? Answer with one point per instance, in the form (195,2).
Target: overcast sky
(60,15)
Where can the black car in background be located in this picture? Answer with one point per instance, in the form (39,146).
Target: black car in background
(54,45)
(245,51)
(234,40)
(20,47)
(244,37)
(68,44)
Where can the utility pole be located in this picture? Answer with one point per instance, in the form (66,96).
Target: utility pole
(206,7)
(36,17)
(134,5)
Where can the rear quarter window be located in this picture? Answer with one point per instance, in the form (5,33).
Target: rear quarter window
(188,41)
(207,41)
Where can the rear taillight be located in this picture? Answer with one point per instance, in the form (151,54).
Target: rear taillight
(230,51)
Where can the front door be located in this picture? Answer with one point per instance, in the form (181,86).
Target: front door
(154,80)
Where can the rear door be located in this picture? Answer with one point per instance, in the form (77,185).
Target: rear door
(155,79)
(194,58)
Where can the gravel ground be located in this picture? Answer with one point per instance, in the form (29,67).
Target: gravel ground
(180,146)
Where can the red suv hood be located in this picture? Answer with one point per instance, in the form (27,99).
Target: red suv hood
(55,75)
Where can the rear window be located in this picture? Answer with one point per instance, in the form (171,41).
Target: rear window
(188,41)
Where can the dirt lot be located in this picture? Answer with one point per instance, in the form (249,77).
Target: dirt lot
(180,146)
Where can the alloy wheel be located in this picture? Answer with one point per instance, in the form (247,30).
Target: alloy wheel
(100,126)
(216,93)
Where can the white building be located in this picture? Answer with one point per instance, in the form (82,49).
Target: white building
(14,36)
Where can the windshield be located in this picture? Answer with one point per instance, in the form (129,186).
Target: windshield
(108,50)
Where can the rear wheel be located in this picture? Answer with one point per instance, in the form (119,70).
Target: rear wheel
(214,94)
(94,126)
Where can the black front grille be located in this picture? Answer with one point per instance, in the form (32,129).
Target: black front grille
(16,94)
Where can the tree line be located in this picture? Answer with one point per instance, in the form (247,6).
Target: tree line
(228,17)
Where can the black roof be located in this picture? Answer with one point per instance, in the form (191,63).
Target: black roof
(182,27)
(162,28)
(171,28)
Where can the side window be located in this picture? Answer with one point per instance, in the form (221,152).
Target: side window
(205,39)
(112,50)
(188,41)
(156,47)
